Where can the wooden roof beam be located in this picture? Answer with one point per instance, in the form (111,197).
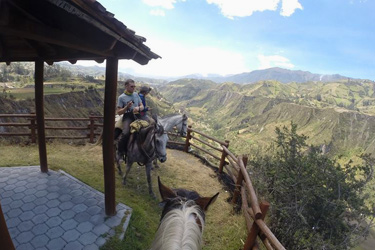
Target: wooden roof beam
(4,13)
(60,57)
(75,11)
(2,50)
(42,49)
(34,31)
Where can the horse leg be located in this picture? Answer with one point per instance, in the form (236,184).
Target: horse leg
(128,167)
(148,174)
(155,163)
(118,163)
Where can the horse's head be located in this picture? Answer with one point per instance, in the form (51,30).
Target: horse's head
(161,139)
(182,125)
(182,221)
(175,198)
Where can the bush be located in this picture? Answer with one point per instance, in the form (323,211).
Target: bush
(316,203)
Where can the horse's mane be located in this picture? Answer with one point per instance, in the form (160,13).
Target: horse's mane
(179,229)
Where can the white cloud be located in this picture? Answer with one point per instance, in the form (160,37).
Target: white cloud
(157,12)
(289,6)
(178,60)
(274,61)
(243,8)
(166,4)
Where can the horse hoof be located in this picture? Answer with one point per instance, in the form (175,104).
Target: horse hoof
(123,182)
(152,195)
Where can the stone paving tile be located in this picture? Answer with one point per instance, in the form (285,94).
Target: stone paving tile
(50,211)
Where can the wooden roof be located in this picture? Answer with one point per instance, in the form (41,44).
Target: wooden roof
(66,30)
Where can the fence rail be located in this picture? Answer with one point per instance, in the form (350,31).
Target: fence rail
(31,125)
(235,167)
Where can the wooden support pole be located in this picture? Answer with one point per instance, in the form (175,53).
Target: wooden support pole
(223,156)
(254,231)
(32,128)
(245,209)
(187,141)
(5,239)
(39,108)
(267,233)
(91,127)
(239,181)
(110,97)
(251,192)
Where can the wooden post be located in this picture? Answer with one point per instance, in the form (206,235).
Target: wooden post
(91,127)
(39,108)
(187,141)
(223,156)
(32,128)
(5,240)
(239,181)
(254,231)
(110,97)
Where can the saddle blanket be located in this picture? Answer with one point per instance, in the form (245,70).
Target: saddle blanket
(137,125)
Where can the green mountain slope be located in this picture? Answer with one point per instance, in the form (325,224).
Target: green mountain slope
(337,116)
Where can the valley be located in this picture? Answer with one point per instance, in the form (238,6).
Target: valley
(337,116)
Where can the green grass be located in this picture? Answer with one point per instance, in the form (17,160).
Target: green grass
(29,93)
(224,229)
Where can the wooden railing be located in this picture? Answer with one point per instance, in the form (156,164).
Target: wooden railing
(236,168)
(30,125)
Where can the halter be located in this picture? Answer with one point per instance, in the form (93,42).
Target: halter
(184,124)
(155,153)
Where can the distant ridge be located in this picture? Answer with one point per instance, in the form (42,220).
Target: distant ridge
(277,74)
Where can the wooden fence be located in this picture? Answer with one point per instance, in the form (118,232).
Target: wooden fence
(235,166)
(30,125)
(254,212)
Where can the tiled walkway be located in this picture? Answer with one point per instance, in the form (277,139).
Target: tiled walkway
(55,211)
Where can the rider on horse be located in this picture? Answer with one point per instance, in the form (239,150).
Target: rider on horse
(129,103)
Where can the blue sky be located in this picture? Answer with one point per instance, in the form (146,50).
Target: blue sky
(235,36)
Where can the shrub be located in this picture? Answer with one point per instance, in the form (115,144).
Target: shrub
(316,203)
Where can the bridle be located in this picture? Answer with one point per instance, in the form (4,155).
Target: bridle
(184,125)
(155,152)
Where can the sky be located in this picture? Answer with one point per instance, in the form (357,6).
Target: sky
(226,37)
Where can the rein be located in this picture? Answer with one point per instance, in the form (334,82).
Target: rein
(143,151)
(154,153)
(182,126)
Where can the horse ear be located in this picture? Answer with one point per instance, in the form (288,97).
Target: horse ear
(204,202)
(165,192)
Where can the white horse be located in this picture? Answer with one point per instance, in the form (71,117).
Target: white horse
(179,121)
(143,147)
(182,220)
(171,123)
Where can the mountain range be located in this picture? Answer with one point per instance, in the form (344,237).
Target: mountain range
(277,74)
(338,116)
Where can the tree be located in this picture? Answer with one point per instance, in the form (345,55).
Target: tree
(316,203)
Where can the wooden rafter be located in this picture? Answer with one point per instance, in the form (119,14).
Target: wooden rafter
(33,31)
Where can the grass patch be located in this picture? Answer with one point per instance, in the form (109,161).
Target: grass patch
(224,229)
